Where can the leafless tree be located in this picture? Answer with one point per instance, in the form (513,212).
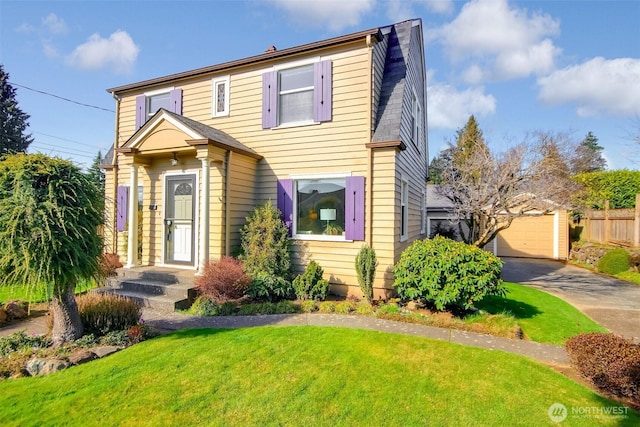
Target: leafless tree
(488,191)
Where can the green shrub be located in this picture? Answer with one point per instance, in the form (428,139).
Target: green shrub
(611,362)
(265,243)
(223,280)
(86,341)
(265,286)
(310,284)
(102,313)
(227,308)
(446,273)
(204,306)
(116,339)
(345,307)
(327,307)
(308,306)
(366,264)
(21,341)
(286,307)
(364,308)
(615,261)
(390,308)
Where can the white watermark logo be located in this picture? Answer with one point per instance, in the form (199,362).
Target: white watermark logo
(558,412)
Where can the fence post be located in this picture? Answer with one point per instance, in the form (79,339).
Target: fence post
(636,223)
(607,231)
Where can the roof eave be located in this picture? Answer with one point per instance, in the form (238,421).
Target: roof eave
(250,60)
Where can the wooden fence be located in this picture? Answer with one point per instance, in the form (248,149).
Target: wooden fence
(613,226)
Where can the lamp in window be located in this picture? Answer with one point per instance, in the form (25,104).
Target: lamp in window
(174,160)
(327,215)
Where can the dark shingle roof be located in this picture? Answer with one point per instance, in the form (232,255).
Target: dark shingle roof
(387,125)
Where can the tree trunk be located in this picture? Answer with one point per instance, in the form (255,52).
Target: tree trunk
(67,325)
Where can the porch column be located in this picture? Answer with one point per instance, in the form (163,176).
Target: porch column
(203,241)
(132,243)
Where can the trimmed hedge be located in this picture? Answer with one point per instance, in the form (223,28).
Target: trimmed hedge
(615,261)
(447,273)
(611,362)
(310,284)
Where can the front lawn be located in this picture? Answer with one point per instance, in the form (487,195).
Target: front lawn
(542,316)
(299,376)
(35,294)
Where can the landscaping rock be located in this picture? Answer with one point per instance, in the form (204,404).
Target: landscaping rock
(82,356)
(46,366)
(104,351)
(15,310)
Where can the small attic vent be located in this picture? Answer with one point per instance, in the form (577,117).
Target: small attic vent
(271,48)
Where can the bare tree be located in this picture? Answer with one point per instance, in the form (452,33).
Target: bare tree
(488,191)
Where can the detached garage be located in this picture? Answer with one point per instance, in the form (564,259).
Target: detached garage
(535,236)
(532,236)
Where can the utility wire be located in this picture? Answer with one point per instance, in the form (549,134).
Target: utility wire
(71,140)
(60,97)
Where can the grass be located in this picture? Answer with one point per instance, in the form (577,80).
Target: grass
(35,294)
(299,376)
(629,276)
(542,316)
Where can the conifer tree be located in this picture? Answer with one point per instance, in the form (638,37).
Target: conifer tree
(13,121)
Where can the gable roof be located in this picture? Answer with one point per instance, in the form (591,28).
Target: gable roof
(266,56)
(194,129)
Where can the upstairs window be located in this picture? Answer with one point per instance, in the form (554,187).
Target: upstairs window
(297,95)
(149,104)
(414,119)
(220,97)
(404,210)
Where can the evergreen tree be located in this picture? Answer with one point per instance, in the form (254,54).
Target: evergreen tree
(13,121)
(588,157)
(97,177)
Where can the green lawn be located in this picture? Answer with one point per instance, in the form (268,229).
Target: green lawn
(35,294)
(542,316)
(298,376)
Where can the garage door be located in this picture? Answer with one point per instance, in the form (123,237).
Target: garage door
(529,237)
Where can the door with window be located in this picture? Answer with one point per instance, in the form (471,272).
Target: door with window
(178,221)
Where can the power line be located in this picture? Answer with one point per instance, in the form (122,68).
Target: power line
(57,150)
(87,153)
(70,140)
(61,97)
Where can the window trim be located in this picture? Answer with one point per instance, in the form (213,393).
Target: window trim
(404,214)
(214,100)
(294,225)
(280,92)
(423,213)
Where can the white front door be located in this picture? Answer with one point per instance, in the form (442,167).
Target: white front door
(178,222)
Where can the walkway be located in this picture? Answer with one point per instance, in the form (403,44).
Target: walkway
(613,303)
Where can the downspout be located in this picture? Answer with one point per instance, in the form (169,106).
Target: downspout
(227,203)
(114,163)
(369,178)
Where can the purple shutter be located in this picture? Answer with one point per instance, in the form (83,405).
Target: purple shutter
(285,202)
(122,208)
(354,208)
(176,101)
(141,111)
(322,91)
(269,99)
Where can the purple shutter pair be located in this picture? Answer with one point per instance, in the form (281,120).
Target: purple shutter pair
(141,106)
(322,95)
(354,206)
(122,208)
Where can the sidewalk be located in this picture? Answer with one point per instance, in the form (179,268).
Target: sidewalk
(545,353)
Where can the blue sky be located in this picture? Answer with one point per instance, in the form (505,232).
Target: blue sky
(518,66)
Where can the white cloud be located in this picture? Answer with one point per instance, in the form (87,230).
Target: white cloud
(119,52)
(448,108)
(503,42)
(597,87)
(334,14)
(54,24)
(401,10)
(49,49)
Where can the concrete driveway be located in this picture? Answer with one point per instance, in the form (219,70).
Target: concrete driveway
(613,303)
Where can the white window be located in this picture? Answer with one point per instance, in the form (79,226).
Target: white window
(319,206)
(404,210)
(158,101)
(220,97)
(295,95)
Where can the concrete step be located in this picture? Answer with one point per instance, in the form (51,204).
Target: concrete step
(173,290)
(157,302)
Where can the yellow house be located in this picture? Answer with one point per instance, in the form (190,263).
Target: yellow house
(334,132)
